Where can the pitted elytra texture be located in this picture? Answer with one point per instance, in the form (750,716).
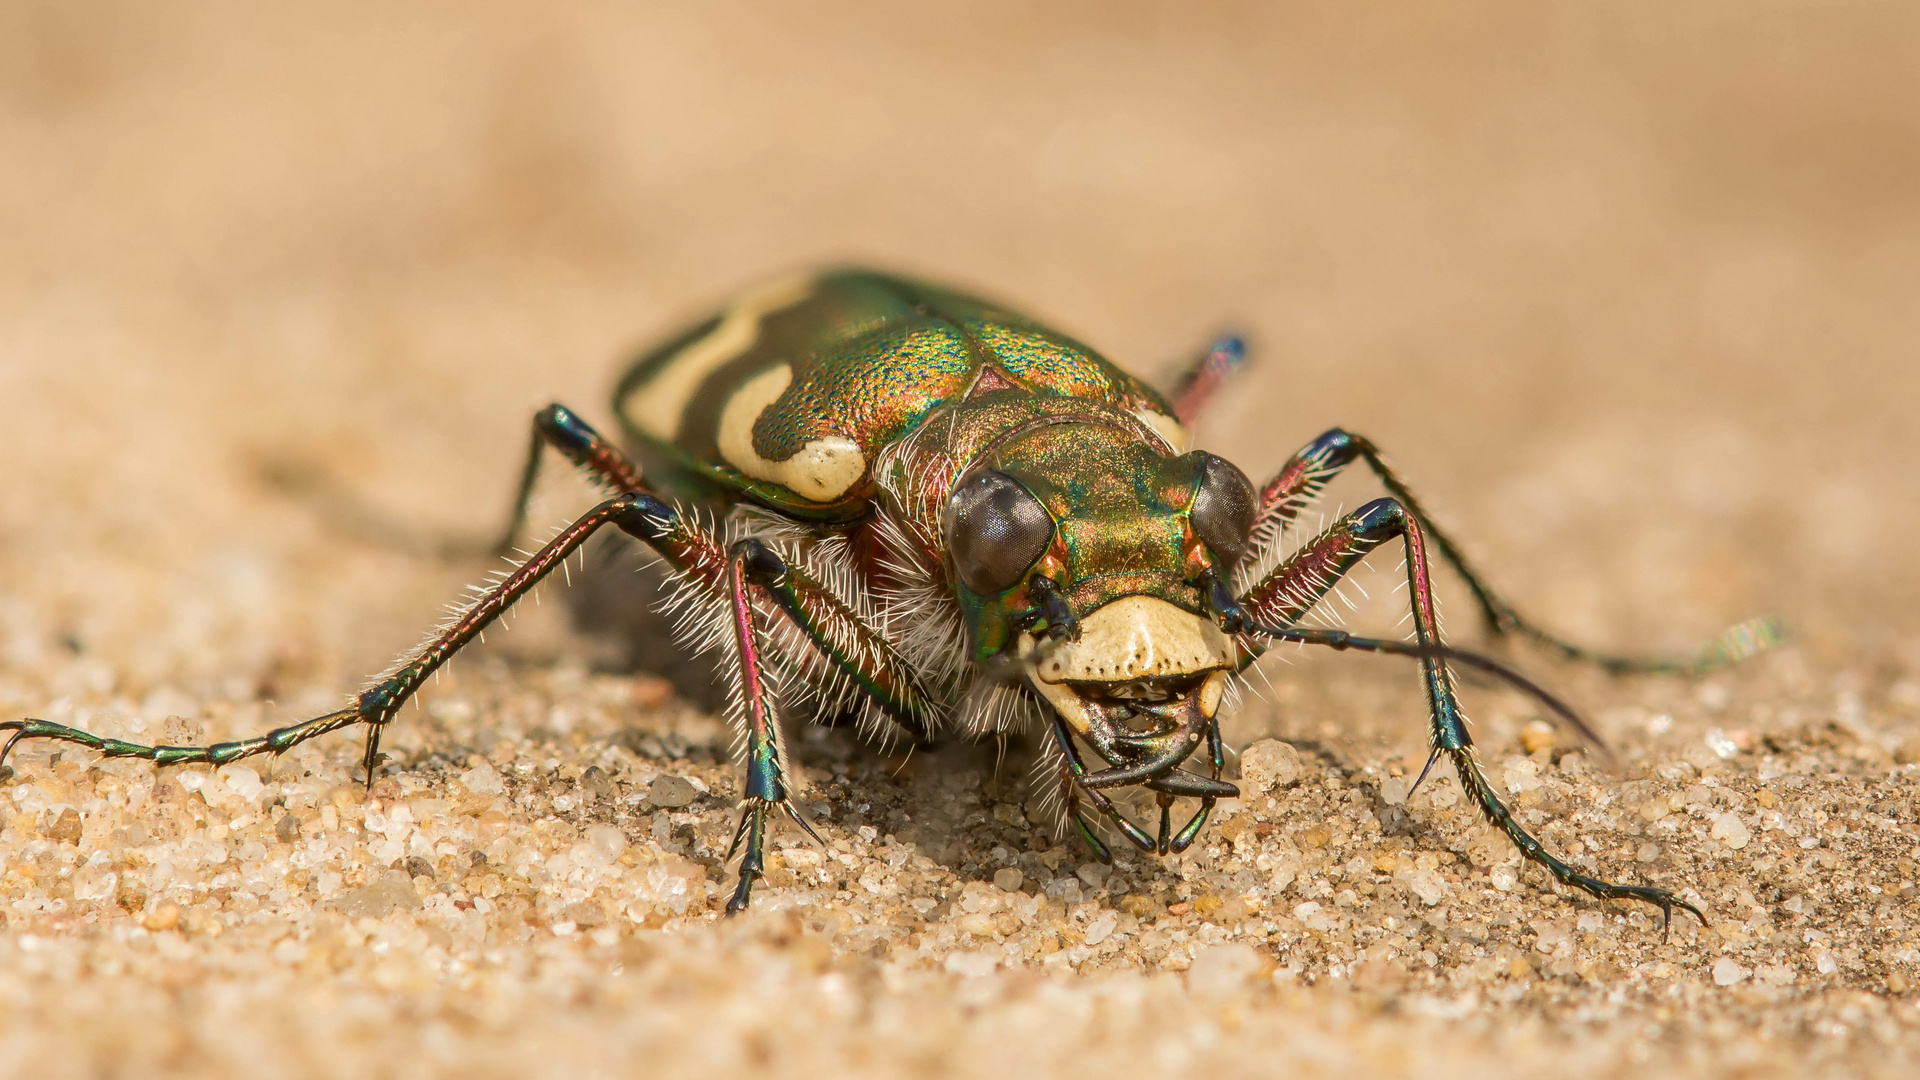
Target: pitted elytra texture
(821,470)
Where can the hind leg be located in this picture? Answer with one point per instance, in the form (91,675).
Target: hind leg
(376,706)
(1205,375)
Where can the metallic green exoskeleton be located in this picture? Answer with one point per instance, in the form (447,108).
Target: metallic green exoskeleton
(945,517)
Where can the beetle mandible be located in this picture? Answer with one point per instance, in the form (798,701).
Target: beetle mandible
(945,517)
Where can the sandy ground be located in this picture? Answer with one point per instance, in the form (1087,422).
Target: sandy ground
(1630,295)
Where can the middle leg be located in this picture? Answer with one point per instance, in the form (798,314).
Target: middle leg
(1291,590)
(1317,463)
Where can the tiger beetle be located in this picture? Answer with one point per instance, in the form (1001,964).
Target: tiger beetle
(915,507)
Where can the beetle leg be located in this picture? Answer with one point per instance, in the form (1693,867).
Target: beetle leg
(822,618)
(377,705)
(755,569)
(1205,374)
(1078,769)
(826,621)
(840,637)
(766,781)
(1315,465)
(1292,589)
(558,427)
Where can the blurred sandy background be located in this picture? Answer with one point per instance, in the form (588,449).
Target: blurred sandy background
(1628,290)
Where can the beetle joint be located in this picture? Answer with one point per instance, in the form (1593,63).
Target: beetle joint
(1221,602)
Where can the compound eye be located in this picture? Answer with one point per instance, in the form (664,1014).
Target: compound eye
(995,530)
(1223,510)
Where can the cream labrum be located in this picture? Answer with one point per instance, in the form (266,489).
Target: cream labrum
(1138,664)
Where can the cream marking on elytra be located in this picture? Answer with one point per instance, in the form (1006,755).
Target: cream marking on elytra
(822,471)
(1137,637)
(1173,431)
(658,405)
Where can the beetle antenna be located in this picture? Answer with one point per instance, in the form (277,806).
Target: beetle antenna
(1061,625)
(1340,639)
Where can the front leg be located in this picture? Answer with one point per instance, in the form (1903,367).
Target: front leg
(1317,463)
(1288,593)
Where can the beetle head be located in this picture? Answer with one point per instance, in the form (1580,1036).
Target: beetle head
(1080,549)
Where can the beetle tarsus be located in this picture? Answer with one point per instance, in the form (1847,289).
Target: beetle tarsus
(753,822)
(1193,828)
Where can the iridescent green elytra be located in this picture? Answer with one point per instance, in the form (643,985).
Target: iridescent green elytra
(943,517)
(790,394)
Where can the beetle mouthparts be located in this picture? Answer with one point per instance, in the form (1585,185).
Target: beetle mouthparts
(1149,707)
(1140,664)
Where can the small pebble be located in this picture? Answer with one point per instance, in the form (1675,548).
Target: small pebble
(1537,736)
(66,828)
(596,781)
(607,842)
(1094,874)
(1269,764)
(1731,830)
(483,779)
(1101,928)
(164,917)
(1428,886)
(375,900)
(1008,878)
(671,792)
